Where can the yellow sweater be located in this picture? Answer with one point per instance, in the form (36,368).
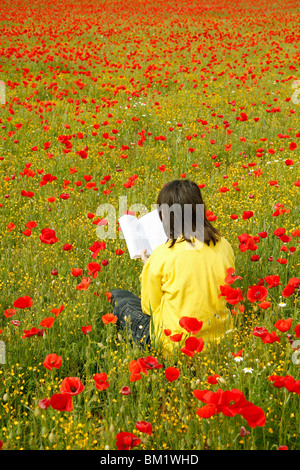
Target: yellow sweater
(185,281)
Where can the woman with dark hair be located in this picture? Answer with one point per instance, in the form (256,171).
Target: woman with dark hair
(181,277)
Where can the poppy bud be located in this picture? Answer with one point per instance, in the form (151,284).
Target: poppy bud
(111,428)
(52,437)
(221,380)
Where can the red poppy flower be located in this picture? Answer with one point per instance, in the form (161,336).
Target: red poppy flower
(144,426)
(254,415)
(281,260)
(272,280)
(9,312)
(23,302)
(76,272)
(135,370)
(238,354)
(262,234)
(278,381)
(209,214)
(127,440)
(109,318)
(84,285)
(207,411)
(232,296)
(265,335)
(294,281)
(257,293)
(93,269)
(284,325)
(191,324)
(48,236)
(71,386)
(287,382)
(67,247)
(176,337)
(230,403)
(288,290)
(96,248)
(212,379)
(149,362)
(192,345)
(11,226)
(247,242)
(61,402)
(297,330)
(32,332)
(247,215)
(86,329)
(264,305)
(259,331)
(230,277)
(47,322)
(172,373)
(101,381)
(52,360)
(57,311)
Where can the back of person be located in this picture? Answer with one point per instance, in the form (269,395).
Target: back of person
(180,278)
(184,280)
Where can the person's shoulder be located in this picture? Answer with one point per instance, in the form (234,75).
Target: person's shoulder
(160,250)
(227,246)
(225,242)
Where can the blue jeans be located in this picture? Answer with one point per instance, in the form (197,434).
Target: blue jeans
(130,317)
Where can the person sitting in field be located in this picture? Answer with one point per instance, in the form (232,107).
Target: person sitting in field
(181,277)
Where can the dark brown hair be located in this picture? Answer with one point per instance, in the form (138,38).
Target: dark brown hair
(183,194)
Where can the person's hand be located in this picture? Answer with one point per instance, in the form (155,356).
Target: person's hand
(144,257)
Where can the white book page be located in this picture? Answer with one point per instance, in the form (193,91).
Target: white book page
(153,227)
(135,236)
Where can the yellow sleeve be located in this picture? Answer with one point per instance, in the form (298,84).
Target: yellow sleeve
(232,258)
(151,292)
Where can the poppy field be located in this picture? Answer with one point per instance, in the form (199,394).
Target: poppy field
(102,100)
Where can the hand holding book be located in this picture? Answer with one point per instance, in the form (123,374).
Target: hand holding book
(144,257)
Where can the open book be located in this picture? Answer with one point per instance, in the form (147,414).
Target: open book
(144,232)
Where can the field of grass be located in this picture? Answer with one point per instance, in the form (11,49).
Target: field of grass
(103,102)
